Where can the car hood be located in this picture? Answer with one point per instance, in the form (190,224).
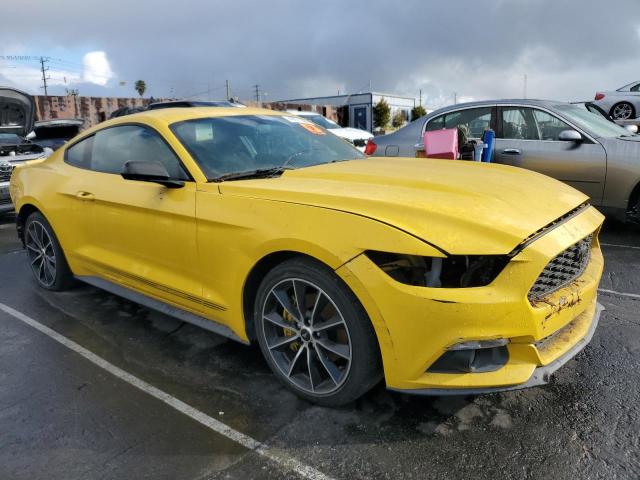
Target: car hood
(351,133)
(461,207)
(17,110)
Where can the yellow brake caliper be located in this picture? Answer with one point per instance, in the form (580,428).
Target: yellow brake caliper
(294,346)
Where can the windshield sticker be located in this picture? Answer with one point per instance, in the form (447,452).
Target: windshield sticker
(313,128)
(204,132)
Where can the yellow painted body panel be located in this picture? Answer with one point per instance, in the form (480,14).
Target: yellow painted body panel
(194,247)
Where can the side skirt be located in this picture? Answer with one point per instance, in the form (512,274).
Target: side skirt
(162,307)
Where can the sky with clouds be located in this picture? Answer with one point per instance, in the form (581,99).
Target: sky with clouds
(295,48)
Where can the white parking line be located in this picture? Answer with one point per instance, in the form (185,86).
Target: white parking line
(621,294)
(615,245)
(277,456)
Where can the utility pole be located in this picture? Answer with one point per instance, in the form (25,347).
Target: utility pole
(44,60)
(226,83)
(74,93)
(257,87)
(420,97)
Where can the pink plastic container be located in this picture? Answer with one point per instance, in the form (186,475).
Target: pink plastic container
(441,143)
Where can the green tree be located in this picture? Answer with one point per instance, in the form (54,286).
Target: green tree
(381,114)
(140,87)
(398,119)
(417,112)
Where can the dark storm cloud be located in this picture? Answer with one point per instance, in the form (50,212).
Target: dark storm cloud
(298,48)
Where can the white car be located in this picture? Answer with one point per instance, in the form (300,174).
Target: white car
(353,135)
(621,104)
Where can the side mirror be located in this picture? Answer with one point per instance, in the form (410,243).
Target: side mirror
(153,172)
(570,136)
(632,128)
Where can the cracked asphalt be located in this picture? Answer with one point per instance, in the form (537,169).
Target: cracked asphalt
(62,417)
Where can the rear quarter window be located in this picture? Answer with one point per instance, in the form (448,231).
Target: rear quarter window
(79,154)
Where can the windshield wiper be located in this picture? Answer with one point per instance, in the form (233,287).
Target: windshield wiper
(258,173)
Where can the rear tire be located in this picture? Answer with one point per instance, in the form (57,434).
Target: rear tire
(46,258)
(326,350)
(623,111)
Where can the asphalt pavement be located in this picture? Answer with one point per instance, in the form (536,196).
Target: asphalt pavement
(81,372)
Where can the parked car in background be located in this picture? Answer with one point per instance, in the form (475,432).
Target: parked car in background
(438,276)
(558,139)
(593,108)
(55,133)
(194,103)
(175,104)
(623,103)
(17,110)
(126,111)
(355,136)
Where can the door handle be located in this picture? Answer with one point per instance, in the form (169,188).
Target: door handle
(511,151)
(85,196)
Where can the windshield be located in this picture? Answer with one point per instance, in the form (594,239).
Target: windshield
(594,123)
(627,86)
(597,110)
(322,121)
(242,143)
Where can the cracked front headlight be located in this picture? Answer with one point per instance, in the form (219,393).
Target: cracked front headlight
(456,271)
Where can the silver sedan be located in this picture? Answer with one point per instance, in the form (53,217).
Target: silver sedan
(557,139)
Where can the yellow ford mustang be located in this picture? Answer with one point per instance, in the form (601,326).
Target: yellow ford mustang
(440,276)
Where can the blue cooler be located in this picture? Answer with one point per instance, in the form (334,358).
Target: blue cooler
(489,139)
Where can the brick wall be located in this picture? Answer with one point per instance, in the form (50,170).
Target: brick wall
(92,110)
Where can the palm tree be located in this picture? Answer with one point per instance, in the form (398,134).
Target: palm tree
(140,87)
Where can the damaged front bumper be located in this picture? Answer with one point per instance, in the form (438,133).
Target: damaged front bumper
(541,375)
(417,326)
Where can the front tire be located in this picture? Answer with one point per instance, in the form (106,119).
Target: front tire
(623,111)
(315,335)
(46,258)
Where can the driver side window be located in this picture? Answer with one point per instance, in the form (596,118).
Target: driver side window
(109,149)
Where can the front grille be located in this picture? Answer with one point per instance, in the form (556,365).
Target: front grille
(5,201)
(5,171)
(562,269)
